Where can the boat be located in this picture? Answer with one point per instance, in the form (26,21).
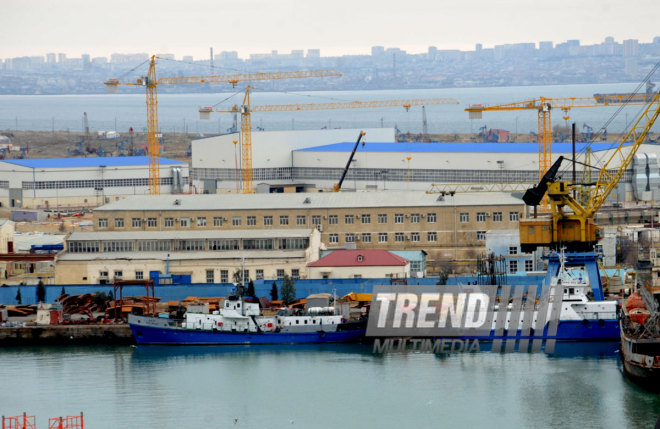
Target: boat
(239,322)
(640,332)
(581,318)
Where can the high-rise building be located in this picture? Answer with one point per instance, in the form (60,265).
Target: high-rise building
(51,58)
(61,58)
(313,53)
(630,47)
(377,50)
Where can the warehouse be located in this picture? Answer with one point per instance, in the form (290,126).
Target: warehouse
(302,159)
(60,183)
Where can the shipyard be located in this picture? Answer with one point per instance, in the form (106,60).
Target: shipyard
(309,227)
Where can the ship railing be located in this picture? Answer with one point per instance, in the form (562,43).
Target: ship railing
(19,422)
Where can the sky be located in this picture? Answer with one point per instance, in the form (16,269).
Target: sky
(336,27)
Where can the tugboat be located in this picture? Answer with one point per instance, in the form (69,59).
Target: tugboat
(239,321)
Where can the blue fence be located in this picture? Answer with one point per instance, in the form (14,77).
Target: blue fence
(177,292)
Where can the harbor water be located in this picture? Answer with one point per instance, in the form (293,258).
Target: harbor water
(179,112)
(322,386)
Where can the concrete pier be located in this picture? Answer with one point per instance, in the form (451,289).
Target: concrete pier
(63,335)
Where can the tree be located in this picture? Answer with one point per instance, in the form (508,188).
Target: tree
(63,291)
(41,292)
(288,290)
(238,278)
(273,293)
(19,299)
(250,289)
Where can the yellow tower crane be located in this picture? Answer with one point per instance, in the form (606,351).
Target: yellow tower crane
(151,82)
(246,127)
(544,107)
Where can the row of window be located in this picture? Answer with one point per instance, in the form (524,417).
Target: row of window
(258,275)
(383,237)
(97,184)
(301,220)
(513,266)
(191,245)
(210,275)
(482,216)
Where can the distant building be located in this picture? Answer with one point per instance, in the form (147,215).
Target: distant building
(58,183)
(363,263)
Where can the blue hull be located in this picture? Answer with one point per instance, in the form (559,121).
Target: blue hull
(566,331)
(177,336)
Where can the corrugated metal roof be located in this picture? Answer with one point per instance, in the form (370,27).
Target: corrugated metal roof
(312,200)
(97,161)
(360,258)
(183,256)
(188,235)
(459,147)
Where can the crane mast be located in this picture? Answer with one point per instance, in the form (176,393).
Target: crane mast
(151,82)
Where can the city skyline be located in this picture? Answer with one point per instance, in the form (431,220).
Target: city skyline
(75,27)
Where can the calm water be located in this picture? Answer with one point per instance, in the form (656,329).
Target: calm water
(327,386)
(179,112)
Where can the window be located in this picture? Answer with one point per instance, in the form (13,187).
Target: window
(464,217)
(295,273)
(236,221)
(210,276)
(185,221)
(513,250)
(223,244)
(217,221)
(348,219)
(382,237)
(481,235)
(301,220)
(497,216)
(350,237)
(513,267)
(357,276)
(414,218)
(316,220)
(513,216)
(246,276)
(153,245)
(136,222)
(117,246)
(169,222)
(251,221)
(152,222)
(224,276)
(139,275)
(481,217)
(382,218)
(119,222)
(259,274)
(366,218)
(414,236)
(268,220)
(431,217)
(333,219)
(280,274)
(189,245)
(398,236)
(529,265)
(201,221)
(366,237)
(119,274)
(284,220)
(103,223)
(431,236)
(257,243)
(333,238)
(398,218)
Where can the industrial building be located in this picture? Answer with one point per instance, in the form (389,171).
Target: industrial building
(60,183)
(445,227)
(306,160)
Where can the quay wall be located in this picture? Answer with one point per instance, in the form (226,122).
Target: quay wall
(65,335)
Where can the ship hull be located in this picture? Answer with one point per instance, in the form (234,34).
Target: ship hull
(641,360)
(145,333)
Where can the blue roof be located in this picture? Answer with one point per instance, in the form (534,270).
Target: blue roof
(97,161)
(461,147)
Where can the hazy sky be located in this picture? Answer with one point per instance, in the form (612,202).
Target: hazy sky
(191,27)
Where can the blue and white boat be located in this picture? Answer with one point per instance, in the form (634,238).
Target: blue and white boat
(239,321)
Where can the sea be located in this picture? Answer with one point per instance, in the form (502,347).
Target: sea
(322,386)
(180,112)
